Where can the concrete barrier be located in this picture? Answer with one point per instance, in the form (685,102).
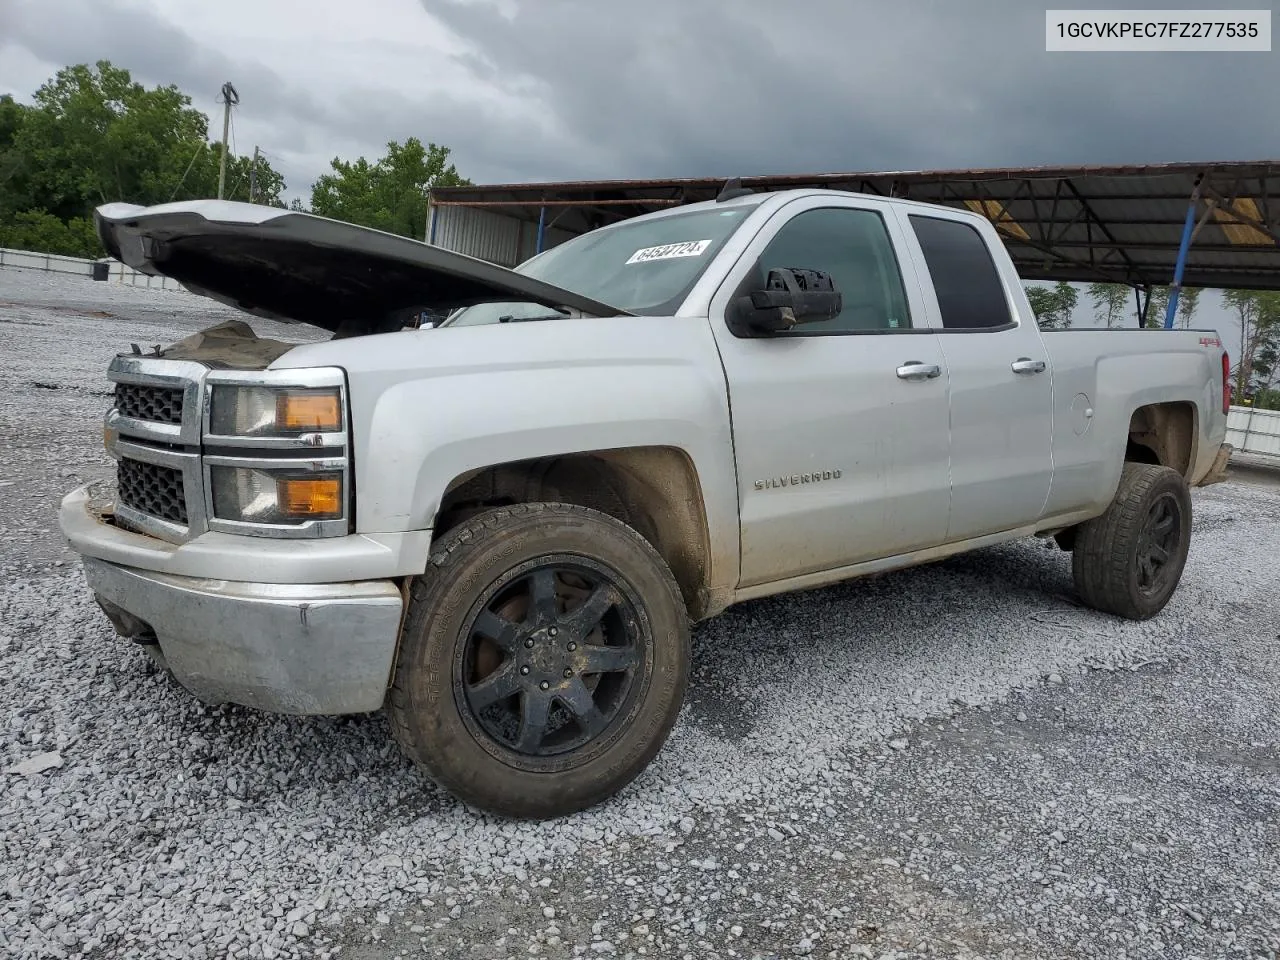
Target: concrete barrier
(79,266)
(1254,431)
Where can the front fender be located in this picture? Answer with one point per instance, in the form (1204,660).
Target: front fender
(429,406)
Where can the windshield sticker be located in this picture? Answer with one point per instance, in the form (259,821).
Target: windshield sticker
(669,251)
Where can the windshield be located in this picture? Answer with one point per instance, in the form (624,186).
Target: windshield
(644,266)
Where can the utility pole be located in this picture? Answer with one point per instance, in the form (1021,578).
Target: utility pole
(229,99)
(253,176)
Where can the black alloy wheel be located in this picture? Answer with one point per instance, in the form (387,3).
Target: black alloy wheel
(554,654)
(1129,560)
(543,659)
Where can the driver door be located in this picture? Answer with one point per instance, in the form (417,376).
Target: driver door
(840,427)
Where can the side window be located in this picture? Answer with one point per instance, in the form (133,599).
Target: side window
(970,294)
(854,248)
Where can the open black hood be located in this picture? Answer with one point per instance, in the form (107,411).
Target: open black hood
(297,267)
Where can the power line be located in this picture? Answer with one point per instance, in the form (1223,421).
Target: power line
(199,150)
(239,180)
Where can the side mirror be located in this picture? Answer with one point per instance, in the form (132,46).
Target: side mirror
(791,296)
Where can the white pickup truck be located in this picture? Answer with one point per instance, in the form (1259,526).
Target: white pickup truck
(500,528)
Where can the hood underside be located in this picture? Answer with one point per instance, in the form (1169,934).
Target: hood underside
(301,268)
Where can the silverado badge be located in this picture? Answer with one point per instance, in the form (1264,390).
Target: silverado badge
(817,476)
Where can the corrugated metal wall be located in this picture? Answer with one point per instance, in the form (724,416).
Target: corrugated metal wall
(1254,431)
(490,236)
(477,233)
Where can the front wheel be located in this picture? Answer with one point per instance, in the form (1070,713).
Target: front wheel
(1128,561)
(543,661)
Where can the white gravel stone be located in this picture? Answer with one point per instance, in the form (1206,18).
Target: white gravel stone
(37,764)
(268,816)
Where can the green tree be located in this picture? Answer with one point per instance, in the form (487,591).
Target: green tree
(92,135)
(1054,305)
(1110,301)
(1258,313)
(12,116)
(1111,304)
(1266,367)
(12,113)
(390,194)
(1188,303)
(1159,303)
(202,179)
(38,230)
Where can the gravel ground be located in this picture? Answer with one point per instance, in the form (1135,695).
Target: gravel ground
(954,761)
(1258,468)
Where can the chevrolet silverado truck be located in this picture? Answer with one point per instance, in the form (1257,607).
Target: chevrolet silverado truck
(499,527)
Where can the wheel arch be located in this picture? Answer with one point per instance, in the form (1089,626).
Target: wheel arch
(655,490)
(1164,434)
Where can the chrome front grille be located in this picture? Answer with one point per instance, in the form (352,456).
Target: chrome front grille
(157,430)
(152,489)
(153,431)
(154,404)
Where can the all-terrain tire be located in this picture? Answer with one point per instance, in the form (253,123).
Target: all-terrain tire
(1128,561)
(432,716)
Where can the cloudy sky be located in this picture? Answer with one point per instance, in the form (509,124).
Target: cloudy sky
(570,89)
(525,90)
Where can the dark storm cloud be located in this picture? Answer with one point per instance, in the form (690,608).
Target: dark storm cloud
(690,87)
(569,89)
(66,31)
(302,124)
(155,52)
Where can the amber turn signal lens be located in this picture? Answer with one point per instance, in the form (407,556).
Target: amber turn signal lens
(314,497)
(309,411)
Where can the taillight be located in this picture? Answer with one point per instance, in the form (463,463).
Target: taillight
(1226,382)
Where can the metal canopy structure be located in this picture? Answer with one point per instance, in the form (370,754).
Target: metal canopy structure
(1181,224)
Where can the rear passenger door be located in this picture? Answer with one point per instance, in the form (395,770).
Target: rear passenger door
(840,426)
(1001,386)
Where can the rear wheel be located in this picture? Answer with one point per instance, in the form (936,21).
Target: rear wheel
(543,660)
(1129,560)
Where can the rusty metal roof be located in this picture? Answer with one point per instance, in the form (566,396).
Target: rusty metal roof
(1111,223)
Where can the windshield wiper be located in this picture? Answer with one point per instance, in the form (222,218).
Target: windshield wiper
(510,318)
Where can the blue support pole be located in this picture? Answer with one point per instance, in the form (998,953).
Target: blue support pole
(1188,228)
(542,226)
(434,216)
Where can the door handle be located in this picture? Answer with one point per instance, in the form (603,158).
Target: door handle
(1025,365)
(915,370)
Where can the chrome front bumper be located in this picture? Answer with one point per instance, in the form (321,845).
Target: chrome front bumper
(273,638)
(368,556)
(284,648)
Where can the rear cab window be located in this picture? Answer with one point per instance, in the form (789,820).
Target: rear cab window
(965,279)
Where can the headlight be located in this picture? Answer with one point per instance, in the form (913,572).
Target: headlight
(276,496)
(241,411)
(277,455)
